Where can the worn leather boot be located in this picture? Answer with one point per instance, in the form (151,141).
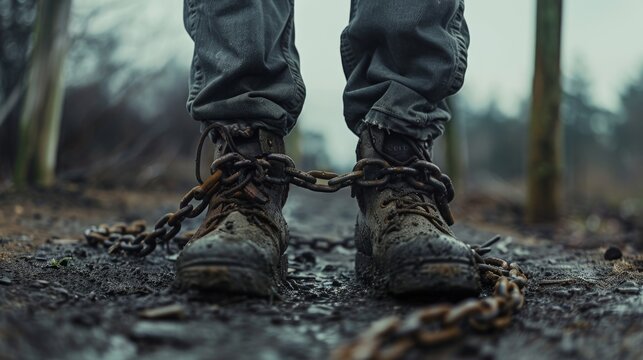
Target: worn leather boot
(403,241)
(240,246)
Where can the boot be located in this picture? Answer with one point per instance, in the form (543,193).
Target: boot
(403,240)
(239,247)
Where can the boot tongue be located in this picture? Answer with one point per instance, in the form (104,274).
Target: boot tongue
(250,142)
(399,148)
(395,148)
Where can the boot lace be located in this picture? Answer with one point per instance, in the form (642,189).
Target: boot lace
(408,203)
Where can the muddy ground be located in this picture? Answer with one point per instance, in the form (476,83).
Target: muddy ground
(62,299)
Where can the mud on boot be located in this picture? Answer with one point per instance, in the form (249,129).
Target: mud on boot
(402,236)
(239,247)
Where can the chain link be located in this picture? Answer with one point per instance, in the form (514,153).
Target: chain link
(321,243)
(393,337)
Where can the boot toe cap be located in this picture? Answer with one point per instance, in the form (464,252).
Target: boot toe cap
(217,262)
(434,265)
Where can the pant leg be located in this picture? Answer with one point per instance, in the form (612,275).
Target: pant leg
(245,68)
(401,59)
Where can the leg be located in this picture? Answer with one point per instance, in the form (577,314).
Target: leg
(245,67)
(245,85)
(401,59)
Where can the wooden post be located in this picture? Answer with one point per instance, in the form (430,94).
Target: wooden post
(40,120)
(544,164)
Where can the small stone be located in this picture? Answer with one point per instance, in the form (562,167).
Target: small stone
(306,257)
(562,294)
(319,310)
(521,252)
(629,290)
(61,290)
(65,241)
(40,283)
(604,299)
(329,268)
(175,311)
(629,283)
(613,253)
(163,332)
(172,257)
(5,281)
(576,291)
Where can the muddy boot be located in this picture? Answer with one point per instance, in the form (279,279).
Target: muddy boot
(240,246)
(403,240)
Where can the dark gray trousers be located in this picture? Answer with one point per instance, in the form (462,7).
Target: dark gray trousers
(401,58)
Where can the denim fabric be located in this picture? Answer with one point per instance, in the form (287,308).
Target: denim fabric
(401,58)
(245,67)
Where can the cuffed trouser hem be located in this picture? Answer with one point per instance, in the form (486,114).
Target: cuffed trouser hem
(402,110)
(420,129)
(248,123)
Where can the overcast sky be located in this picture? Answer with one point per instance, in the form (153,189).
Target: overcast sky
(602,38)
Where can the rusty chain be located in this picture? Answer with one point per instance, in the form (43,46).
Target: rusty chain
(322,243)
(393,337)
(134,239)
(232,172)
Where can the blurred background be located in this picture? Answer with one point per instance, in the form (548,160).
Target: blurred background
(123,121)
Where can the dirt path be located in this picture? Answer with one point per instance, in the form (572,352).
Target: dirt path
(118,307)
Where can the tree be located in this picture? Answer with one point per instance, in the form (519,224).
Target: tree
(40,120)
(15,31)
(544,161)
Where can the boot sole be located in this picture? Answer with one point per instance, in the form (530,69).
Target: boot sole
(424,277)
(232,278)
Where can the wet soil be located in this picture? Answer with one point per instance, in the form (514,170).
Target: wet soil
(63,299)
